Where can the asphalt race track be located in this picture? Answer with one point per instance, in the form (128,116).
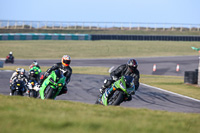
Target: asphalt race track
(85,88)
(164,65)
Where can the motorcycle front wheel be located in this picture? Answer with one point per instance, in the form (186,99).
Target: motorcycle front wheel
(49,92)
(116,98)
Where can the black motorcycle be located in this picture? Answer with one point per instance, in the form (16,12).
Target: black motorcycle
(18,87)
(9,59)
(33,83)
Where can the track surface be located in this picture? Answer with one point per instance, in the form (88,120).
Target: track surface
(84,88)
(164,65)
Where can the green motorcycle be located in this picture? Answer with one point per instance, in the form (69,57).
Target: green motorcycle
(52,85)
(121,90)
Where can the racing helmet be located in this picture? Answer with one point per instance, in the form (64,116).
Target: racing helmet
(32,73)
(18,70)
(22,72)
(34,63)
(10,52)
(66,60)
(132,64)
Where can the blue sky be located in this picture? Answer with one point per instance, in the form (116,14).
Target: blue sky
(156,11)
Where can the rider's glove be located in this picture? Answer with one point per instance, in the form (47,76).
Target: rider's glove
(46,74)
(114,78)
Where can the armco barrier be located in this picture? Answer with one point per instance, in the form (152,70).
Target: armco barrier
(146,37)
(44,36)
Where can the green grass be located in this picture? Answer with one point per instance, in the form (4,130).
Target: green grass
(172,83)
(28,115)
(94,49)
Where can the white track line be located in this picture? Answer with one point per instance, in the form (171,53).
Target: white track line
(6,70)
(171,92)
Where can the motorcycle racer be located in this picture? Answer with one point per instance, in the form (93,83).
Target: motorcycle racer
(35,63)
(64,67)
(19,74)
(128,69)
(34,72)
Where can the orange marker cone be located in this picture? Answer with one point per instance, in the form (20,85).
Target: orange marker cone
(177,67)
(154,67)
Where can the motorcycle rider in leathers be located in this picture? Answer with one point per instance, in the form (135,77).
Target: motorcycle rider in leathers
(128,69)
(63,66)
(19,74)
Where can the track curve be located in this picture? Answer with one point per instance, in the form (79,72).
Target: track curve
(85,88)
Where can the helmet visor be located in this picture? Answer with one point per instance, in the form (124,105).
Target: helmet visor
(66,61)
(132,67)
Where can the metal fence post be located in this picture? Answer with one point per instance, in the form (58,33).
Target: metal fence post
(23,25)
(15,24)
(30,25)
(8,24)
(138,27)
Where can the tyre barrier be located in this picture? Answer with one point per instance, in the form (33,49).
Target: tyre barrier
(191,77)
(146,37)
(44,36)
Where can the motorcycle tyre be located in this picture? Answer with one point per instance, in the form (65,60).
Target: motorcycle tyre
(49,94)
(119,98)
(33,93)
(97,101)
(17,93)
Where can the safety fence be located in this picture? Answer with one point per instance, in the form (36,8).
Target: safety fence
(44,36)
(77,25)
(146,37)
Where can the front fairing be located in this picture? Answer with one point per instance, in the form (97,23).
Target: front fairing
(59,80)
(120,85)
(46,83)
(104,100)
(18,85)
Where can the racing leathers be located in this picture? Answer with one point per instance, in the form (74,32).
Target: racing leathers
(67,73)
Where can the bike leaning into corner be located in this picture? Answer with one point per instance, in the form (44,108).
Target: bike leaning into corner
(52,85)
(120,91)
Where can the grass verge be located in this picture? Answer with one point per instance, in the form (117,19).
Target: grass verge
(48,116)
(53,49)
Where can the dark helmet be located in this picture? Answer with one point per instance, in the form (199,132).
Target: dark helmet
(132,63)
(32,73)
(129,81)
